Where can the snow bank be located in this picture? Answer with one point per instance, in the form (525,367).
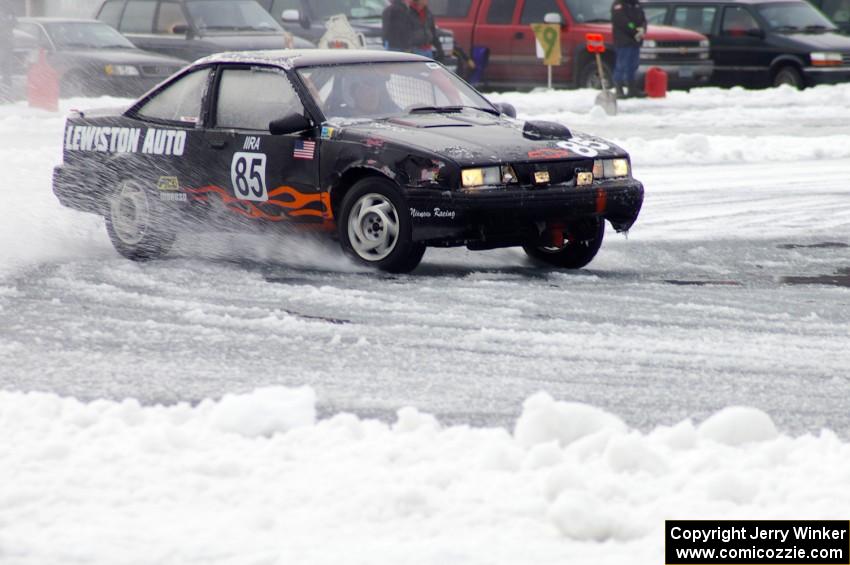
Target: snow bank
(255,478)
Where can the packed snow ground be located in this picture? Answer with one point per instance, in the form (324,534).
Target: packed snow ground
(730,290)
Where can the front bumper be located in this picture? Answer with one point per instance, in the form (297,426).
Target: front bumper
(508,217)
(680,74)
(826,75)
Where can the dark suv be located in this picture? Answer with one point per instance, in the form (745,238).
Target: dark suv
(762,42)
(190,29)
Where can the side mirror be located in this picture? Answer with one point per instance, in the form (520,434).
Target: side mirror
(181,29)
(553,18)
(506,109)
(292,123)
(291,16)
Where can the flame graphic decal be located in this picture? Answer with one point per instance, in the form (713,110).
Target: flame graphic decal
(294,207)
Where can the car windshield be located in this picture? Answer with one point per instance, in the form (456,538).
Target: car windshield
(353,9)
(590,11)
(383,90)
(794,16)
(244,15)
(94,35)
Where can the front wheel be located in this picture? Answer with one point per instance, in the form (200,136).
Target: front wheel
(137,224)
(375,227)
(790,76)
(581,244)
(589,76)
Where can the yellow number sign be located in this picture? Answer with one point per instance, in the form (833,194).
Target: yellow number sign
(549,37)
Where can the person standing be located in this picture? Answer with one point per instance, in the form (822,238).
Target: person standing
(400,28)
(629,23)
(7,53)
(430,46)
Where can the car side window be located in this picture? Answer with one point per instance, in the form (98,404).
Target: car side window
(535,10)
(138,16)
(738,22)
(656,15)
(501,12)
(250,98)
(169,17)
(696,18)
(110,12)
(180,101)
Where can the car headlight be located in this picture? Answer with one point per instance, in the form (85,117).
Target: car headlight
(826,59)
(611,168)
(488,177)
(121,71)
(705,43)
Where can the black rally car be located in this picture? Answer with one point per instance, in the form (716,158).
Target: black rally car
(389,152)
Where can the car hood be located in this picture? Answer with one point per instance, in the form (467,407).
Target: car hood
(474,138)
(820,41)
(654,32)
(252,41)
(122,57)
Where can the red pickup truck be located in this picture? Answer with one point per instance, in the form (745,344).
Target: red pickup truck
(502,28)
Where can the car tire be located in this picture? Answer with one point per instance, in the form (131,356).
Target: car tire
(790,76)
(582,243)
(589,76)
(375,229)
(138,224)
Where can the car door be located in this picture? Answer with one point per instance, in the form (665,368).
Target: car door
(259,176)
(526,65)
(495,30)
(739,49)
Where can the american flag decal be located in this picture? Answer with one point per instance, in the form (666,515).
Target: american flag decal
(304,149)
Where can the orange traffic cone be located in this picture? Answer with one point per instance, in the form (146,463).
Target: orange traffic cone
(43,85)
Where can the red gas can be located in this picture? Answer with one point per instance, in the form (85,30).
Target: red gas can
(656,83)
(43,85)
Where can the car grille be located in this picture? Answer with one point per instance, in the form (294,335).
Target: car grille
(677,51)
(846,58)
(560,172)
(157,70)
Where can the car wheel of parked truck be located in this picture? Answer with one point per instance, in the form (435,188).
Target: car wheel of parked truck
(790,76)
(375,228)
(137,223)
(581,244)
(589,76)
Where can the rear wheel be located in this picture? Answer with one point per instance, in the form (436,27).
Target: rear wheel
(375,227)
(589,76)
(581,244)
(790,76)
(137,223)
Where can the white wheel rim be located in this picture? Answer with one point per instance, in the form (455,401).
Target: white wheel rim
(373,227)
(130,213)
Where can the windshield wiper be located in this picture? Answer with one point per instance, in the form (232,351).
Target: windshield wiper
(449,110)
(818,27)
(598,21)
(787,28)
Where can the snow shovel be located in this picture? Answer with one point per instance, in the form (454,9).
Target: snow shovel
(605,99)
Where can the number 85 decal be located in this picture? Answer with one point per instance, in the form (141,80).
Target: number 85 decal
(248,175)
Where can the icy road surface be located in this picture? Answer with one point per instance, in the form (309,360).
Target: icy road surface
(732,289)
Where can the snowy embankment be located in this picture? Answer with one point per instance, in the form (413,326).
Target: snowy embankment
(259,479)
(256,479)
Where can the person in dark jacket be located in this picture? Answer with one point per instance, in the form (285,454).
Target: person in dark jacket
(401,29)
(629,23)
(430,46)
(7,31)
